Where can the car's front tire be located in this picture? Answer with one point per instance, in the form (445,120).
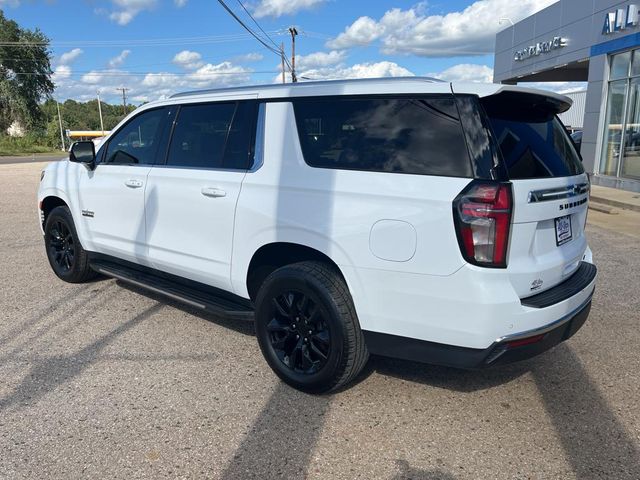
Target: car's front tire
(67,258)
(308,329)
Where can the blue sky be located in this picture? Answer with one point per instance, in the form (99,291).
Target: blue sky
(157,47)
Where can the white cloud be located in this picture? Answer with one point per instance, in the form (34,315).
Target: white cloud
(180,3)
(332,66)
(320,59)
(361,32)
(207,76)
(126,10)
(222,73)
(249,57)
(277,8)
(10,3)
(188,59)
(119,59)
(70,56)
(93,77)
(147,87)
(140,98)
(359,70)
(61,73)
(465,72)
(468,32)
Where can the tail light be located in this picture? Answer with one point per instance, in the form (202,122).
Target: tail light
(482,217)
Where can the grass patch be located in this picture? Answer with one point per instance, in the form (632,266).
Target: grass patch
(29,144)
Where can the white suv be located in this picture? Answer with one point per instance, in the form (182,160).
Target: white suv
(411,218)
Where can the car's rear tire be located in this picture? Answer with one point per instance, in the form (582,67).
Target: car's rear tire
(68,260)
(308,329)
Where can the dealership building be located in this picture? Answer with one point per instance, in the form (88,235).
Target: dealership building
(593,41)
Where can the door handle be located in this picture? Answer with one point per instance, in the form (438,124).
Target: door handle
(132,183)
(213,192)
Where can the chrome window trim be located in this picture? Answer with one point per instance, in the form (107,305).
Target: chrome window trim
(549,194)
(182,167)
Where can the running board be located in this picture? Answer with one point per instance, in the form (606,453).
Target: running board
(208,301)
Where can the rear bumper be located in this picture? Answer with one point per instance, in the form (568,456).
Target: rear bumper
(581,279)
(507,349)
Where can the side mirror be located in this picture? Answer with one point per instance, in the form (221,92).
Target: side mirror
(85,153)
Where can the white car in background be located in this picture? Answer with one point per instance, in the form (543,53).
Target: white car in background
(418,219)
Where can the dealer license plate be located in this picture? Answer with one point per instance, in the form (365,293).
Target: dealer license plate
(563,230)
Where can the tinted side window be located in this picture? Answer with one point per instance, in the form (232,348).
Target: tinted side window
(238,150)
(419,135)
(136,143)
(215,135)
(483,150)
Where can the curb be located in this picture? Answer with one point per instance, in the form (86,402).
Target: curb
(615,203)
(602,208)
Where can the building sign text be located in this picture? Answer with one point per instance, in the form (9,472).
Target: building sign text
(620,19)
(538,48)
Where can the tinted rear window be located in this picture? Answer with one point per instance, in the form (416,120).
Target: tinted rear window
(420,135)
(532,140)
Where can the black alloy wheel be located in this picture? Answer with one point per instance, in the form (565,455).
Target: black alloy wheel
(307,327)
(299,333)
(61,246)
(68,260)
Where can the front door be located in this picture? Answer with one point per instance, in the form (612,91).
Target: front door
(111,197)
(191,200)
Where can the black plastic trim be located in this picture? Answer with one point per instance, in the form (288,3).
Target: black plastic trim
(500,352)
(581,278)
(422,351)
(193,293)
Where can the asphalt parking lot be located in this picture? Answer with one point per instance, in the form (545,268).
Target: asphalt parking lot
(101,381)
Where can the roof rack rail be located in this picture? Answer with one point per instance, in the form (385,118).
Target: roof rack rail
(304,84)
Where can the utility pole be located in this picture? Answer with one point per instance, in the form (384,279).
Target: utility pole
(124,99)
(282,61)
(100,112)
(60,123)
(294,33)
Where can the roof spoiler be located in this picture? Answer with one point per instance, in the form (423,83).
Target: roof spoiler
(551,101)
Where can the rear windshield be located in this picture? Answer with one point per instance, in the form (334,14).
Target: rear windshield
(532,140)
(416,135)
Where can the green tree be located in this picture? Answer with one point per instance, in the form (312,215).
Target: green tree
(52,135)
(25,74)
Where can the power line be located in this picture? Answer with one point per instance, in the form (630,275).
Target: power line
(136,42)
(257,24)
(133,74)
(254,34)
(307,33)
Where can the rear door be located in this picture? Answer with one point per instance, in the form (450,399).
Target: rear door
(191,199)
(550,190)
